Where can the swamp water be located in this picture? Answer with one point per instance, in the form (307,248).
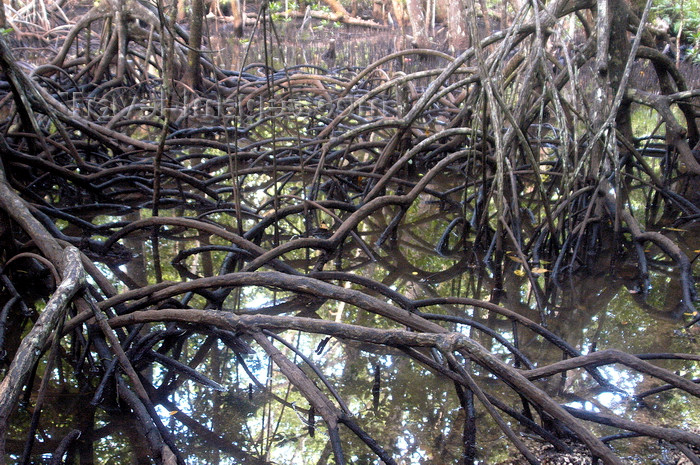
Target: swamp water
(258,417)
(248,412)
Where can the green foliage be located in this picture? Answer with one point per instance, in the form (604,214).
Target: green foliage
(682,16)
(694,52)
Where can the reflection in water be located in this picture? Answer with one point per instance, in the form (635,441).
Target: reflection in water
(244,235)
(353,47)
(239,406)
(258,417)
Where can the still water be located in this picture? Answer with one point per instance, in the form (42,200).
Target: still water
(258,417)
(247,411)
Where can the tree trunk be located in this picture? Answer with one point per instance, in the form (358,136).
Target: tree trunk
(378,11)
(193,75)
(399,9)
(181,13)
(237,13)
(338,10)
(416,15)
(456,25)
(603,97)
(620,50)
(3,19)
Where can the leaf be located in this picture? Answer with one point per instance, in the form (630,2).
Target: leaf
(675,229)
(173,412)
(519,272)
(515,259)
(540,270)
